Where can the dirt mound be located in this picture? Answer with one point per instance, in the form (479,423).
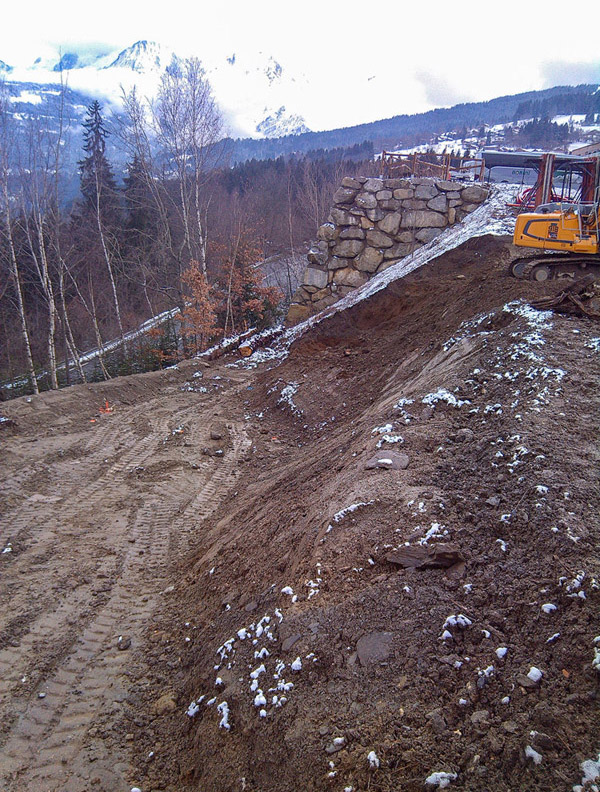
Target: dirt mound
(292,647)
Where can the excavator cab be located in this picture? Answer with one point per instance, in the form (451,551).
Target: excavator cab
(570,227)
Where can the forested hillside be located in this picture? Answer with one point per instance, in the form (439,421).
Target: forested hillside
(176,228)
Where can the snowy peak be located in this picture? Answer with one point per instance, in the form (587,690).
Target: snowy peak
(143,57)
(281,123)
(5,68)
(70,60)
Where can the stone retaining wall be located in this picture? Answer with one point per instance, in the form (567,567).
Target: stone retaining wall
(373,224)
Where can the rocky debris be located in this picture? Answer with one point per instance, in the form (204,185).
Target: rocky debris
(375,222)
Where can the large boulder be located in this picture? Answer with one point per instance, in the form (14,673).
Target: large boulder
(369,259)
(402,193)
(352,232)
(373,185)
(438,204)
(342,218)
(344,196)
(378,239)
(315,277)
(366,200)
(349,277)
(390,223)
(297,313)
(423,218)
(348,248)
(425,191)
(427,234)
(474,194)
(326,232)
(350,183)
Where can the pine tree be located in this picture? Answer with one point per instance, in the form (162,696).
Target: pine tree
(97,182)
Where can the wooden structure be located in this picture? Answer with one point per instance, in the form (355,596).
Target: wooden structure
(438,166)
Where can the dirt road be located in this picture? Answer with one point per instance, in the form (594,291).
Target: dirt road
(98,509)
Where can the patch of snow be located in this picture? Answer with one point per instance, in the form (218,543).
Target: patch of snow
(223,708)
(297,665)
(501,652)
(548,607)
(440,779)
(443,395)
(373,760)
(530,753)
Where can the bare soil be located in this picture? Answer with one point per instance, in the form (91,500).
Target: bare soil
(140,541)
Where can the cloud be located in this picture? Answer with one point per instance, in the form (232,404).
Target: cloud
(563,73)
(438,91)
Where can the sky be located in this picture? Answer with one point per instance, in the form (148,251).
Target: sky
(352,62)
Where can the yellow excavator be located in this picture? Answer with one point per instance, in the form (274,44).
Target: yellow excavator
(565,232)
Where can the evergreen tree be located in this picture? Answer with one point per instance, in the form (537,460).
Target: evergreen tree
(97,182)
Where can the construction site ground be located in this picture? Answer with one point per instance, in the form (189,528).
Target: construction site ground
(205,587)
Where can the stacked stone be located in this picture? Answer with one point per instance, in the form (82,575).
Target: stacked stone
(374,223)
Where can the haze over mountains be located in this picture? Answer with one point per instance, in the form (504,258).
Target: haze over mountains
(258,97)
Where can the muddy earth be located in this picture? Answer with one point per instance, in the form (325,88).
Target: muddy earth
(372,564)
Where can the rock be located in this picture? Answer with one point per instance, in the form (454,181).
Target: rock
(366,200)
(403,193)
(399,251)
(454,202)
(165,704)
(375,214)
(390,223)
(451,216)
(351,183)
(251,606)
(480,718)
(320,295)
(373,185)
(290,641)
(349,277)
(437,721)
(467,208)
(413,203)
(214,435)
(374,647)
(425,191)
(378,239)
(348,248)
(474,194)
(464,435)
(397,184)
(366,223)
(297,313)
(541,741)
(352,232)
(384,195)
(510,727)
(336,263)
(427,234)
(123,643)
(315,277)
(388,460)
(426,557)
(327,232)
(390,205)
(405,236)
(423,219)
(526,682)
(444,186)
(342,218)
(493,501)
(439,203)
(369,259)
(344,196)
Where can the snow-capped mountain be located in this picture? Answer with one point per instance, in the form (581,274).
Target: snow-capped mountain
(256,94)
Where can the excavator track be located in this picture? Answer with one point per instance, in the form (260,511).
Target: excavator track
(550,266)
